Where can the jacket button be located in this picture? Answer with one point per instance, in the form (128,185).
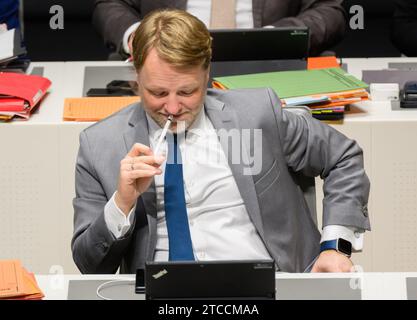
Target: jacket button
(365,210)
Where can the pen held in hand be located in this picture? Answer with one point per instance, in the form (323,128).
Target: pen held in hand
(163,134)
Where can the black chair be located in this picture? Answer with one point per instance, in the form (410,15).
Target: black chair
(78,41)
(374,40)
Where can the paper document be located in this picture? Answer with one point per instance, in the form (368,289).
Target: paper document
(10,45)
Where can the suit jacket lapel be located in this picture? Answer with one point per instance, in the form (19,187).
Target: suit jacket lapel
(138,131)
(225,118)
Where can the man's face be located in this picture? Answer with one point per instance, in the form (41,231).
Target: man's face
(166,90)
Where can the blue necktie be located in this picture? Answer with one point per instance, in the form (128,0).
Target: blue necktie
(180,246)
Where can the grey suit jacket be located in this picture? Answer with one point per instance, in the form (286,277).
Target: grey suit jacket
(290,144)
(325,18)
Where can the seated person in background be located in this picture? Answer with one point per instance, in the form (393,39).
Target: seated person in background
(202,196)
(116,20)
(404,27)
(9,14)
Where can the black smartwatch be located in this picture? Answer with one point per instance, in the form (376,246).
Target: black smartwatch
(340,245)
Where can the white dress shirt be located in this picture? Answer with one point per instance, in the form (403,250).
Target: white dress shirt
(220,226)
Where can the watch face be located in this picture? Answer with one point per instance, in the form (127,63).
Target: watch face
(345,246)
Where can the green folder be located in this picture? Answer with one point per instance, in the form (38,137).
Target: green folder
(296,83)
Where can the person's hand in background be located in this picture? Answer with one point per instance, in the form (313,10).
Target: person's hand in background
(3,27)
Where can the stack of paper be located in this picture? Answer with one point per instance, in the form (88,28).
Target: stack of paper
(16,283)
(20,94)
(334,108)
(10,46)
(326,91)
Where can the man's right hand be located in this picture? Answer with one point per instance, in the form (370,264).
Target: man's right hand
(3,27)
(137,170)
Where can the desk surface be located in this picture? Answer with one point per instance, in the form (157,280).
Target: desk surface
(375,286)
(68,77)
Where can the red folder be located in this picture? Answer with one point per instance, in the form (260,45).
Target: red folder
(13,104)
(30,88)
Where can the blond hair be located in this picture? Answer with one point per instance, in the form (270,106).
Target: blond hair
(178,37)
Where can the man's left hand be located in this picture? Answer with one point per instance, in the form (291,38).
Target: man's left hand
(332,261)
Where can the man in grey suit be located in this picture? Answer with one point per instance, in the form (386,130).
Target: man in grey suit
(326,19)
(225,201)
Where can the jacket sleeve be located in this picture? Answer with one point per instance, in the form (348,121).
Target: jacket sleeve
(326,20)
(112,18)
(94,248)
(316,149)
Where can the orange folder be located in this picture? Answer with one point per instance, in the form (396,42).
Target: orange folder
(94,108)
(322,63)
(17,283)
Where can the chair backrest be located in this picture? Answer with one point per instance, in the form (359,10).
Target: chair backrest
(307,184)
(374,39)
(77,41)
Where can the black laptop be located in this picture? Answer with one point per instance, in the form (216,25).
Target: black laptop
(247,279)
(245,51)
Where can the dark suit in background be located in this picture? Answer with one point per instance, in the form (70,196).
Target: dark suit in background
(9,13)
(404,27)
(325,18)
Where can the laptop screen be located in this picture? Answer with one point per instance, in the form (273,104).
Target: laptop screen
(284,43)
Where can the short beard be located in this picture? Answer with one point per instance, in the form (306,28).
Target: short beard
(182,125)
